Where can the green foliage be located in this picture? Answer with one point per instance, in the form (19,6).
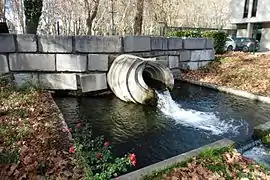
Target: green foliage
(266,139)
(209,154)
(95,156)
(9,157)
(32,11)
(214,154)
(218,36)
(219,39)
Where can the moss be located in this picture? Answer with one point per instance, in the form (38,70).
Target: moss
(266,139)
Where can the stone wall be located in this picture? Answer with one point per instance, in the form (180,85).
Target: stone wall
(70,62)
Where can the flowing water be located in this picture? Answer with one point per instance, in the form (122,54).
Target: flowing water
(260,154)
(197,119)
(185,119)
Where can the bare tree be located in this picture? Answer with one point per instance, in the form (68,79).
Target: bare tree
(2,10)
(91,14)
(93,17)
(138,20)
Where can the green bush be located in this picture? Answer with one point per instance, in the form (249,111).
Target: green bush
(218,36)
(219,39)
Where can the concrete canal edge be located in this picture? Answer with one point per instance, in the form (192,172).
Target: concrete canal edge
(140,173)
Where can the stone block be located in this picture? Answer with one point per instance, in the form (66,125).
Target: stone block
(209,54)
(142,54)
(173,62)
(98,44)
(111,59)
(136,43)
(175,43)
(189,65)
(163,60)
(7,43)
(55,44)
(158,53)
(32,62)
(26,43)
(93,82)
(58,81)
(203,63)
(197,55)
(25,78)
(209,44)
(202,55)
(3,64)
(185,55)
(159,43)
(98,62)
(173,53)
(71,62)
(194,43)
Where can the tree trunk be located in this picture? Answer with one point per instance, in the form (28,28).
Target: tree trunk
(91,16)
(32,11)
(138,20)
(1,10)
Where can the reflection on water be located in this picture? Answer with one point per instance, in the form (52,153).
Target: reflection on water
(153,135)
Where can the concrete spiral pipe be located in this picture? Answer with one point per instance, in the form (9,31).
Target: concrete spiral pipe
(128,74)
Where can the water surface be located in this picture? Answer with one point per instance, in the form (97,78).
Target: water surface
(191,117)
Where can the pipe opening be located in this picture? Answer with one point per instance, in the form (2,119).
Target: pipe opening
(135,79)
(151,81)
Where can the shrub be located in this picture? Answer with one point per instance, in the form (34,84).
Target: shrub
(219,39)
(218,36)
(95,156)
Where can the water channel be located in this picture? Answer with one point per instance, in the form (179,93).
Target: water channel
(187,118)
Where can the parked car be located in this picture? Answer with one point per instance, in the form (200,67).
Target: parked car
(246,44)
(230,44)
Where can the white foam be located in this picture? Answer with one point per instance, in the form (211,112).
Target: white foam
(203,120)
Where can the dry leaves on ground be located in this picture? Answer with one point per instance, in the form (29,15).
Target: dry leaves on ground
(228,165)
(238,70)
(30,126)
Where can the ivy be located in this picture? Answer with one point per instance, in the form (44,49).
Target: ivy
(218,36)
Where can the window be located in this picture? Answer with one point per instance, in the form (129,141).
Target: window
(254,8)
(245,15)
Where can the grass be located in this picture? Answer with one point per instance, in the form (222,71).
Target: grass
(207,153)
(156,175)
(221,163)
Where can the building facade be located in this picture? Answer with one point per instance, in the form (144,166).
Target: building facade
(252,19)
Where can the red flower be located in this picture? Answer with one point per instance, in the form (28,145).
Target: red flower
(98,155)
(71,149)
(70,129)
(132,159)
(78,125)
(106,144)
